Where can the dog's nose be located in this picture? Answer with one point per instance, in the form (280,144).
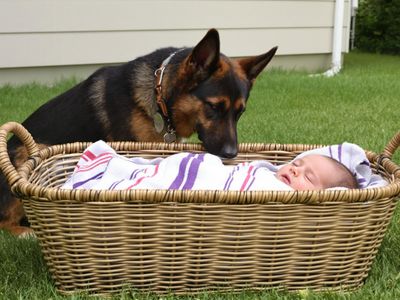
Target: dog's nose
(229,151)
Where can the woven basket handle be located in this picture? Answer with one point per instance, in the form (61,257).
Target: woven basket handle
(392,145)
(5,163)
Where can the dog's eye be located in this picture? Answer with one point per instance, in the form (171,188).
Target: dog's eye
(213,106)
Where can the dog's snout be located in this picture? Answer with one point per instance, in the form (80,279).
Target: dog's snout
(229,151)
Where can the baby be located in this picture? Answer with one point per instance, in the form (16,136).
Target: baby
(316,172)
(101,168)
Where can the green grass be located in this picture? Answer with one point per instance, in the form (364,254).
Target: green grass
(360,105)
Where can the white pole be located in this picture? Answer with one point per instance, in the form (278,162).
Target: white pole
(337,40)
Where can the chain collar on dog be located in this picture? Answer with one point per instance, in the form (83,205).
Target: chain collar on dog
(170,135)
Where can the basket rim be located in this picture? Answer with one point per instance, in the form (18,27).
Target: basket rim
(25,189)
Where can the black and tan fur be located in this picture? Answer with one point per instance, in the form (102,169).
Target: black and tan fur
(205,92)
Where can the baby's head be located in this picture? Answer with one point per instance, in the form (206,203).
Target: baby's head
(316,172)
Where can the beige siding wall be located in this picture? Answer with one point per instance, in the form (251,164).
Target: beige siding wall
(66,33)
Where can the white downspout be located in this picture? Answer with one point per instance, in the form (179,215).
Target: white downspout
(337,40)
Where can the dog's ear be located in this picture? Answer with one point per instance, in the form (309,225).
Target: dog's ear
(252,66)
(205,55)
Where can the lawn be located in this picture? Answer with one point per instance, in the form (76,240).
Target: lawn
(359,105)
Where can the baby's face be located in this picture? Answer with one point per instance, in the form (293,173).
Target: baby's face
(312,172)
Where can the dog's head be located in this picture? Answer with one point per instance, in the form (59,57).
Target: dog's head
(211,92)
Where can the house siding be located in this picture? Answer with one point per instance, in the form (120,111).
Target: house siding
(66,33)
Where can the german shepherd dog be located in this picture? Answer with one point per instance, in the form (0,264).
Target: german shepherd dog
(166,95)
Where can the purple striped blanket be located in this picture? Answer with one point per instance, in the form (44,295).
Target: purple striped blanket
(100,167)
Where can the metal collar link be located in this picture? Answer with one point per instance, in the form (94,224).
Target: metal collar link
(170,135)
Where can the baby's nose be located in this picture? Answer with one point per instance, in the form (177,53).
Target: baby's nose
(295,171)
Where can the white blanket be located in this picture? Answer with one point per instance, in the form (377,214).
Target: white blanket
(100,167)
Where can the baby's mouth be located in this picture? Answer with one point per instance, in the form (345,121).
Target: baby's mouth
(285,178)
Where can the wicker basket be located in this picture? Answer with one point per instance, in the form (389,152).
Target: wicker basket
(192,241)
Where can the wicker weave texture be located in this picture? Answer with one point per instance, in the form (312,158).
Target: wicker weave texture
(102,247)
(191,241)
